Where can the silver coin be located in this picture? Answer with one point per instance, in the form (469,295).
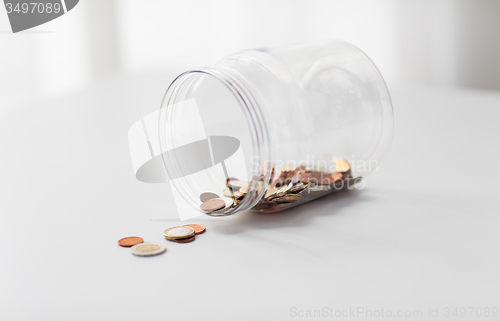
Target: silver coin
(179,232)
(229,202)
(236,185)
(148,249)
(208,196)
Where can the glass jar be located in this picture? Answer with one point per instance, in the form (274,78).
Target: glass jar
(269,129)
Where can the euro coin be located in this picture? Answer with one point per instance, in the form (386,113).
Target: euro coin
(285,188)
(227,192)
(179,232)
(130,241)
(287,198)
(229,180)
(235,184)
(288,168)
(208,196)
(188,240)
(238,195)
(212,205)
(229,202)
(270,192)
(244,188)
(298,188)
(342,166)
(198,229)
(148,249)
(336,177)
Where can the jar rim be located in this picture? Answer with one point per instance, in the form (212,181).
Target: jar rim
(261,149)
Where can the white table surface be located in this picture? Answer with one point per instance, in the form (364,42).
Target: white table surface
(424,234)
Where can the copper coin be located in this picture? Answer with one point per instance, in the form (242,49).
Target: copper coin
(191,239)
(320,178)
(302,169)
(305,178)
(198,229)
(208,196)
(337,176)
(130,241)
(213,205)
(238,194)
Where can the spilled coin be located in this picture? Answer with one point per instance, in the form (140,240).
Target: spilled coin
(148,249)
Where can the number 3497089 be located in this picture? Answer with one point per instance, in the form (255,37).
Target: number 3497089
(33,7)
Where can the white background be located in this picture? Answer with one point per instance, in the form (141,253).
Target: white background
(425,42)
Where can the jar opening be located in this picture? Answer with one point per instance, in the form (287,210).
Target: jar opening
(211,130)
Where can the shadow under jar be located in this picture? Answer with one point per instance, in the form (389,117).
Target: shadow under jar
(269,129)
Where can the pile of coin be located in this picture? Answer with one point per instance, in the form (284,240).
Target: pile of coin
(183,234)
(213,203)
(293,186)
(178,234)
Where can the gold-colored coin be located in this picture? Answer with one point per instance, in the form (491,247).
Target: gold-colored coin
(271,191)
(342,166)
(285,188)
(188,240)
(148,249)
(227,192)
(298,188)
(235,184)
(244,188)
(289,198)
(288,168)
(274,196)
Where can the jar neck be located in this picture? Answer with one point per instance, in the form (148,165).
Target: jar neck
(244,92)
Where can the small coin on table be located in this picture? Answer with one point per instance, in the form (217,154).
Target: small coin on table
(130,241)
(198,229)
(188,240)
(148,249)
(179,232)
